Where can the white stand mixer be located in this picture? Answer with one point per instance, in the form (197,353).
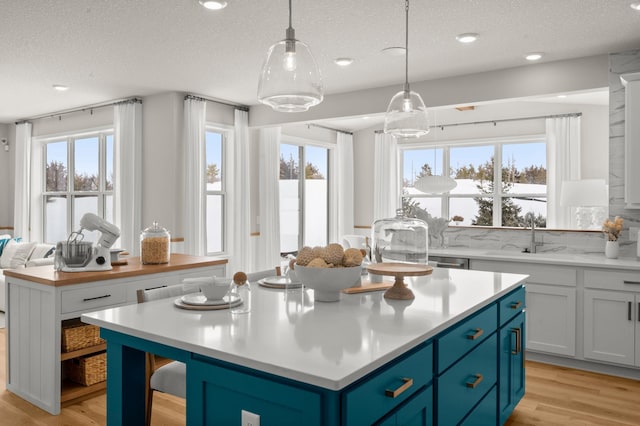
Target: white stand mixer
(75,255)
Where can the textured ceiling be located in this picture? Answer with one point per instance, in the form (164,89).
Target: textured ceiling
(106,50)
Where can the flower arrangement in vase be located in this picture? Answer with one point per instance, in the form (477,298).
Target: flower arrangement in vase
(612,230)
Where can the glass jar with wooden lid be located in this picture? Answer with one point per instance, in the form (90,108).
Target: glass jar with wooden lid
(155,245)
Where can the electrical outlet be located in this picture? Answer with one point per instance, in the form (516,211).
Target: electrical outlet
(250,419)
(633,233)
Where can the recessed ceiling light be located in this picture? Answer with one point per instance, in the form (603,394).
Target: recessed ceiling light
(343,62)
(467,37)
(534,56)
(213,5)
(394,51)
(635,6)
(562,96)
(60,87)
(365,117)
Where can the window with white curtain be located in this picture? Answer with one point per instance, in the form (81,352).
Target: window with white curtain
(304,196)
(215,202)
(485,195)
(78,179)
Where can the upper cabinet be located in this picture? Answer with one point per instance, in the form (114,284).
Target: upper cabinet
(631,82)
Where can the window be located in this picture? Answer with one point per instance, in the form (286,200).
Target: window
(78,180)
(215,140)
(484,196)
(304,197)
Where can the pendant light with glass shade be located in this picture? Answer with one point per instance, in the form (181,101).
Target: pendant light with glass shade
(290,80)
(406,115)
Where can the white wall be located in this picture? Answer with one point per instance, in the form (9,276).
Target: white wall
(529,80)
(163,157)
(6,175)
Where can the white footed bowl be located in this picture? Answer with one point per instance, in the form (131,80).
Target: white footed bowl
(327,282)
(214,290)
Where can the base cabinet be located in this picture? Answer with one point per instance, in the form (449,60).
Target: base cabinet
(551,319)
(417,411)
(551,304)
(471,374)
(511,362)
(612,326)
(485,412)
(36,312)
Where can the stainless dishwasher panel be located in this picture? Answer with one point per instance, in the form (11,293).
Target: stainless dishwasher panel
(449,262)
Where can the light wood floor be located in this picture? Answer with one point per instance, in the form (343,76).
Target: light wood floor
(555,396)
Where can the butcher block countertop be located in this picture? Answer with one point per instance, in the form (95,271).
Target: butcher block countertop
(47,275)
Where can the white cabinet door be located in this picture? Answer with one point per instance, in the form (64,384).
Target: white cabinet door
(637,308)
(609,327)
(551,319)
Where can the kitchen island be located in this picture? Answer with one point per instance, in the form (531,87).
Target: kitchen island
(453,354)
(41,300)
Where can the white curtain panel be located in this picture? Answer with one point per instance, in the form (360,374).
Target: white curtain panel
(563,163)
(269,198)
(127,187)
(341,180)
(239,223)
(386,164)
(22,192)
(195,180)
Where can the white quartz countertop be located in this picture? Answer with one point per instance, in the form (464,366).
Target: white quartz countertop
(325,344)
(597,260)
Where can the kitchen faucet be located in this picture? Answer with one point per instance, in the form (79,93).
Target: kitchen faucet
(534,244)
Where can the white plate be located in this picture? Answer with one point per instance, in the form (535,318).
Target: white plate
(279,282)
(180,304)
(281,279)
(199,299)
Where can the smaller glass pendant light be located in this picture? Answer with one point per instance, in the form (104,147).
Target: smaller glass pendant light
(406,115)
(290,80)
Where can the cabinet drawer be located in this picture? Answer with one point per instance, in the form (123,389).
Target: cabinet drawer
(367,402)
(485,412)
(467,382)
(87,299)
(466,336)
(512,304)
(611,280)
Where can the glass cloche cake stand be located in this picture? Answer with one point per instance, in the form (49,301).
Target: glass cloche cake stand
(399,270)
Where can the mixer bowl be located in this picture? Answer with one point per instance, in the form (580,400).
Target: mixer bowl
(75,254)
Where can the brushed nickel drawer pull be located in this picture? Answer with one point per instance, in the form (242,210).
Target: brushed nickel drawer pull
(395,393)
(96,298)
(629,311)
(518,334)
(476,382)
(478,332)
(630,282)
(516,305)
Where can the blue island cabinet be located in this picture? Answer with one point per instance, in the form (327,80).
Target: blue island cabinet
(398,393)
(480,365)
(470,374)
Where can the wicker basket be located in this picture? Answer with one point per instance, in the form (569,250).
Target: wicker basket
(77,335)
(87,370)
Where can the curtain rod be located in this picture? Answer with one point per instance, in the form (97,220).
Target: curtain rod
(202,98)
(329,128)
(81,109)
(442,126)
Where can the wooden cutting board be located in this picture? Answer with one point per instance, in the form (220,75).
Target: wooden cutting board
(368,287)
